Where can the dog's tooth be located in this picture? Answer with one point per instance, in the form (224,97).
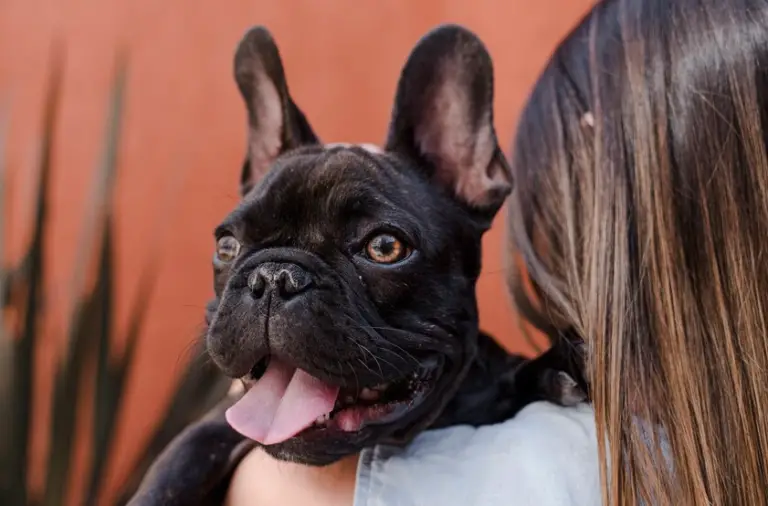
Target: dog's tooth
(382,387)
(368,394)
(349,399)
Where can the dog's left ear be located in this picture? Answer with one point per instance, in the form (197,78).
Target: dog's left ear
(443,119)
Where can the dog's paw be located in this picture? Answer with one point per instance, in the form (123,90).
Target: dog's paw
(195,468)
(556,376)
(559,387)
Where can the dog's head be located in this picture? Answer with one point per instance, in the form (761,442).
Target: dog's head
(345,278)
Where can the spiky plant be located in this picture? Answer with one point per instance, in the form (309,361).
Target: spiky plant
(89,336)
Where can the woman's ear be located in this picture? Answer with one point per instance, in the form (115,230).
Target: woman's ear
(275,123)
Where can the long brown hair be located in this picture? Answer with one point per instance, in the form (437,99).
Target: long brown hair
(640,210)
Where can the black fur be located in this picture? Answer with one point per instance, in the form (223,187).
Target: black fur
(196,468)
(302,288)
(308,211)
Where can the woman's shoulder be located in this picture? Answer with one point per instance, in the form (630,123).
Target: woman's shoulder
(546,455)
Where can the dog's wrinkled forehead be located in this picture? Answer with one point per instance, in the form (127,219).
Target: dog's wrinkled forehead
(315,193)
(332,174)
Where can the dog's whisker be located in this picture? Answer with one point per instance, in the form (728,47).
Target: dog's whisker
(391,329)
(394,367)
(362,362)
(365,349)
(189,353)
(406,352)
(405,355)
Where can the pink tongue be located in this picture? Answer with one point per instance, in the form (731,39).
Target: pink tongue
(281,404)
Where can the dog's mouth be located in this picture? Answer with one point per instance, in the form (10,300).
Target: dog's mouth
(283,402)
(356,408)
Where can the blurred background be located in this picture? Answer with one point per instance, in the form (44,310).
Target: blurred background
(121,139)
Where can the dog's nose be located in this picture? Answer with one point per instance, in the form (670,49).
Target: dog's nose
(284,279)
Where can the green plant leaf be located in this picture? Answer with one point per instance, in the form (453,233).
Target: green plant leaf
(89,336)
(66,395)
(6,344)
(91,315)
(28,283)
(102,428)
(110,383)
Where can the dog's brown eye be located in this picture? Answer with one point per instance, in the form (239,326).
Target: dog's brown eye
(386,249)
(227,248)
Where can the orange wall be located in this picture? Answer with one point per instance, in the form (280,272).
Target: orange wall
(185,131)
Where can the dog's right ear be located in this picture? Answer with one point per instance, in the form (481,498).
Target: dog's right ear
(275,123)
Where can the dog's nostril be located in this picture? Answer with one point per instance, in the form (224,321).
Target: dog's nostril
(287,280)
(257,284)
(291,283)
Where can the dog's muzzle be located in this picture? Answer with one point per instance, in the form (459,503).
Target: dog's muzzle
(283,280)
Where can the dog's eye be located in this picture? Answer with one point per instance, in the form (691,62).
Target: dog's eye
(227,248)
(386,249)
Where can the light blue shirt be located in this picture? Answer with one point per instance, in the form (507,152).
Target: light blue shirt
(544,456)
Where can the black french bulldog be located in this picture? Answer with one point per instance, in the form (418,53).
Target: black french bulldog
(345,279)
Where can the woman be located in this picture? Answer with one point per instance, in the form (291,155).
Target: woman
(641,212)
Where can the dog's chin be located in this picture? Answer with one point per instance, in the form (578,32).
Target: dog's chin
(365,416)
